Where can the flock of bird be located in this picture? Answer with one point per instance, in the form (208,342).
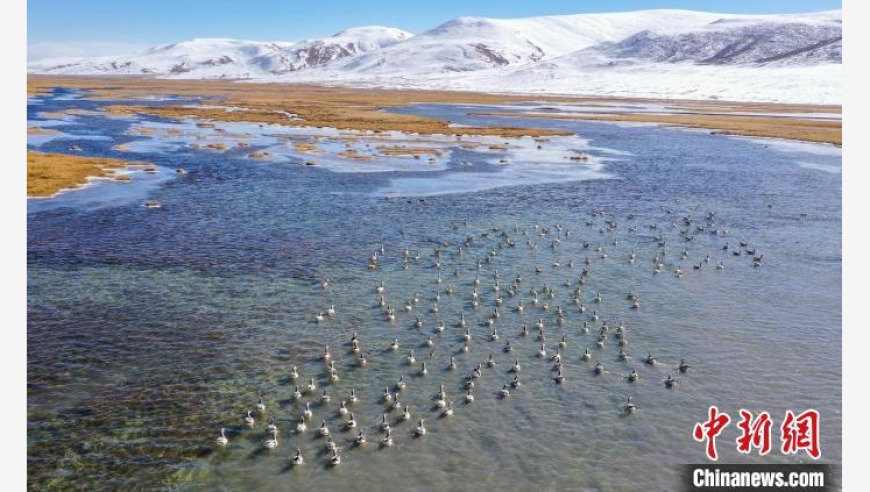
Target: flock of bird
(490,332)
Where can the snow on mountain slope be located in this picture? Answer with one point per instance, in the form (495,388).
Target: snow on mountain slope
(779,40)
(469,44)
(347,43)
(228,58)
(199,57)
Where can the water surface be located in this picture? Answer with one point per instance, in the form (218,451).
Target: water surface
(148,330)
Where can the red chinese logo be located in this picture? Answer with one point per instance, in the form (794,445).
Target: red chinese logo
(801,432)
(707,431)
(754,433)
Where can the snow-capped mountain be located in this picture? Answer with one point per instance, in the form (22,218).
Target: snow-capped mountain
(345,44)
(786,40)
(200,58)
(229,58)
(469,44)
(651,53)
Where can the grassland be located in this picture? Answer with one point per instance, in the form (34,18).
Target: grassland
(48,174)
(810,130)
(362,109)
(38,130)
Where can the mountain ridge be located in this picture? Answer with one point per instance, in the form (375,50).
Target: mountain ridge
(522,55)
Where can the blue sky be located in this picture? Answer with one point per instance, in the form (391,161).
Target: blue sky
(93,27)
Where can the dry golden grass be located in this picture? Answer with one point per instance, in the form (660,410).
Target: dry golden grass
(69,112)
(361,109)
(811,130)
(401,150)
(38,130)
(342,108)
(48,174)
(308,147)
(259,154)
(355,155)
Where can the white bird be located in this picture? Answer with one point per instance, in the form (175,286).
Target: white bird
(505,392)
(448,412)
(249,420)
(421,430)
(311,386)
(411,359)
(388,439)
(353,399)
(395,345)
(319,317)
(469,398)
(222,439)
(301,427)
(406,415)
(336,459)
(261,407)
(351,422)
(307,413)
(385,426)
(440,402)
(297,458)
(271,443)
(294,374)
(630,407)
(324,430)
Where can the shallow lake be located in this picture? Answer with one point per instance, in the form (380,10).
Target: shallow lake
(150,329)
